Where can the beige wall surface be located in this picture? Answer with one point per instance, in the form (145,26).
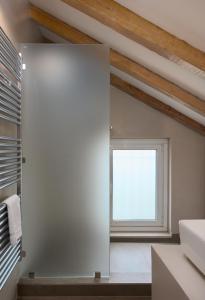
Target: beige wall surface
(133,119)
(16,24)
(9,290)
(15,21)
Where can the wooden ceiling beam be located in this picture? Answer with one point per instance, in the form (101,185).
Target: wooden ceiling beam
(75,36)
(156,104)
(135,27)
(120,61)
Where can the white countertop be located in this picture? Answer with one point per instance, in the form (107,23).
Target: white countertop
(184,272)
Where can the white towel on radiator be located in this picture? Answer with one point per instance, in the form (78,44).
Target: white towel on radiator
(14,218)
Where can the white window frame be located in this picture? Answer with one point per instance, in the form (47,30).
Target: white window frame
(162,185)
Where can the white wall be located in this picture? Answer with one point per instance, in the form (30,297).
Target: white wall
(133,119)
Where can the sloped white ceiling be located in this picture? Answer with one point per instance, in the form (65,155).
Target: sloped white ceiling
(149,90)
(133,50)
(183,18)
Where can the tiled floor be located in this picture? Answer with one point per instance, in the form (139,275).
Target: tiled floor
(130,262)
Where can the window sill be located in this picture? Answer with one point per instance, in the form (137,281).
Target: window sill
(145,237)
(141,234)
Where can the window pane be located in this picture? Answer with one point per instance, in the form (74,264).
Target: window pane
(134,185)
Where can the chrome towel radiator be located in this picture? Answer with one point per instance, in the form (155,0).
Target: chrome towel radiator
(9,255)
(10,147)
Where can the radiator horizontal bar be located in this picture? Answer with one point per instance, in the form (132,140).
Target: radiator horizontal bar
(9,119)
(6,90)
(8,265)
(9,139)
(9,68)
(9,96)
(9,183)
(10,145)
(3,228)
(3,222)
(10,151)
(4,236)
(10,177)
(10,107)
(4,217)
(8,53)
(12,86)
(14,96)
(13,168)
(10,171)
(11,263)
(9,270)
(4,251)
(2,166)
(8,257)
(4,231)
(8,251)
(10,158)
(10,113)
(10,101)
(9,59)
(7,156)
(4,244)
(3,207)
(9,93)
(9,90)
(4,180)
(6,248)
(13,57)
(10,44)
(3,214)
(9,63)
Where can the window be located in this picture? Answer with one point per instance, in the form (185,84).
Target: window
(139,185)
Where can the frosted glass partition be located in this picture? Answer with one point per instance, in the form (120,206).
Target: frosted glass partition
(65,202)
